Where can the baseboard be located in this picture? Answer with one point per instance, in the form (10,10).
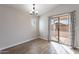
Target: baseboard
(43,38)
(77,47)
(16,44)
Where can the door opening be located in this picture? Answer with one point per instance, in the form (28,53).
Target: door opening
(61,29)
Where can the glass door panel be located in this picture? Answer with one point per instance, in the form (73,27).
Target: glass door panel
(54,29)
(64,30)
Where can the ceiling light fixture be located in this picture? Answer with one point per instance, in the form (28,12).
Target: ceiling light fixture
(34,11)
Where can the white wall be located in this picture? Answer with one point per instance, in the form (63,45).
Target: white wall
(43,22)
(15,26)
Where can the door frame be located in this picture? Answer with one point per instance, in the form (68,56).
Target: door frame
(73,18)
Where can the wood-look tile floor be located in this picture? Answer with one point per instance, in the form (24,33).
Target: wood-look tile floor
(40,46)
(37,46)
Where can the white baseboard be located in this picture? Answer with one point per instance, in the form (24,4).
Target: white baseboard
(17,44)
(77,47)
(43,38)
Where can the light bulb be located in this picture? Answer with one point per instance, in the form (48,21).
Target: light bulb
(36,11)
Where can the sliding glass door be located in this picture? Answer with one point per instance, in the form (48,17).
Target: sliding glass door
(60,29)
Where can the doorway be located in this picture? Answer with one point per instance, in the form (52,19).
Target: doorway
(61,29)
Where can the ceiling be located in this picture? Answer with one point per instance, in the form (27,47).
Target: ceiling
(42,8)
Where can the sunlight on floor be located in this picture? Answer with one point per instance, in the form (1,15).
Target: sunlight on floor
(68,49)
(62,49)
